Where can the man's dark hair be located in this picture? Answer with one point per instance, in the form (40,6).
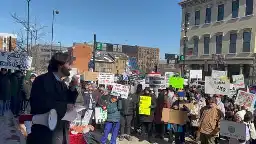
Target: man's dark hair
(57,60)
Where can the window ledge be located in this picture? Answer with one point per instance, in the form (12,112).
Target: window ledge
(205,54)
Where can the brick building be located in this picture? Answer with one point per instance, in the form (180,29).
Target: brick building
(82,54)
(5,39)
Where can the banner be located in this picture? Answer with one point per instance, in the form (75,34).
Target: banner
(216,86)
(245,99)
(106,78)
(100,115)
(120,90)
(218,74)
(233,130)
(195,74)
(144,107)
(238,81)
(15,60)
(176,82)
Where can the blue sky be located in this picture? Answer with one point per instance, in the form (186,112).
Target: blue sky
(153,23)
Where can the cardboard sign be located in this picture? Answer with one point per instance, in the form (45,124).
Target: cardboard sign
(238,81)
(174,116)
(218,74)
(216,86)
(196,74)
(106,78)
(120,90)
(245,99)
(233,130)
(190,106)
(144,107)
(91,76)
(100,115)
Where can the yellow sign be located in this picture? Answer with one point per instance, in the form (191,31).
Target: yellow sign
(145,103)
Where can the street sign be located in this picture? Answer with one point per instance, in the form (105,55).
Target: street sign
(99,46)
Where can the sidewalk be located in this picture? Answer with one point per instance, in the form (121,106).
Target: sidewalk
(9,132)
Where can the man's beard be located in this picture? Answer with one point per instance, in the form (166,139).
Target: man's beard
(65,71)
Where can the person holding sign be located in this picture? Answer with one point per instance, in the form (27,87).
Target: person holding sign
(147,105)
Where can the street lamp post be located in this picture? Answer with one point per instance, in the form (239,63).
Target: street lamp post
(60,45)
(28,27)
(53,17)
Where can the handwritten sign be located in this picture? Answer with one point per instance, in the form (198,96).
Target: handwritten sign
(120,90)
(245,99)
(195,74)
(106,78)
(233,130)
(232,91)
(100,115)
(218,74)
(144,107)
(216,86)
(176,82)
(238,81)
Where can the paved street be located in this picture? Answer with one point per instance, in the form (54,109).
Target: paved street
(9,133)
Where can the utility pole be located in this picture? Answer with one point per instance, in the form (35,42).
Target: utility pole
(94,50)
(28,27)
(186,24)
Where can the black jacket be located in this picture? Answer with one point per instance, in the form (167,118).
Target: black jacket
(129,105)
(49,93)
(5,87)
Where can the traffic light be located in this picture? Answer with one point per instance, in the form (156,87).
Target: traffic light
(182,58)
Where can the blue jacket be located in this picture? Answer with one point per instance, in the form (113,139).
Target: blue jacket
(114,111)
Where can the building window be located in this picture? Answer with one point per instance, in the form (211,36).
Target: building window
(235,8)
(208,15)
(249,7)
(220,12)
(187,17)
(206,45)
(5,41)
(232,45)
(219,44)
(196,41)
(197,17)
(247,41)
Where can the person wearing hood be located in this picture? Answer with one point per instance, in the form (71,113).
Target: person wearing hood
(147,120)
(127,112)
(114,106)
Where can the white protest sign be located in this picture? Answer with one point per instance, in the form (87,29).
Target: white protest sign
(15,60)
(245,99)
(218,74)
(106,78)
(216,86)
(197,74)
(233,130)
(120,90)
(233,90)
(238,81)
(157,82)
(167,76)
(100,115)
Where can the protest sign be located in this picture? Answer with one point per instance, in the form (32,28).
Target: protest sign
(15,60)
(174,116)
(245,99)
(218,74)
(196,74)
(100,115)
(91,76)
(120,90)
(157,82)
(106,78)
(167,77)
(232,91)
(144,107)
(238,81)
(216,86)
(233,130)
(176,82)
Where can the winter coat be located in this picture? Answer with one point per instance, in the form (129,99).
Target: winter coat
(5,87)
(113,109)
(27,89)
(129,105)
(14,85)
(162,102)
(149,118)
